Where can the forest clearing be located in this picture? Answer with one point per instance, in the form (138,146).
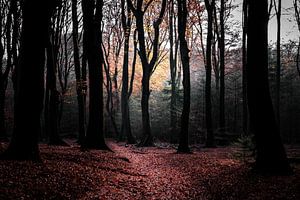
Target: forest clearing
(142,173)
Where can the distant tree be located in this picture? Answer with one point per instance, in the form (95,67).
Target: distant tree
(184,52)
(65,63)
(126,25)
(173,70)
(58,71)
(53,98)
(29,77)
(80,83)
(208,67)
(92,18)
(16,12)
(244,69)
(278,59)
(221,43)
(111,99)
(271,156)
(147,65)
(113,39)
(5,25)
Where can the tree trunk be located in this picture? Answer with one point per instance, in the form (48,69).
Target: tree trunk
(126,127)
(30,89)
(208,106)
(5,72)
(3,134)
(53,101)
(184,52)
(15,34)
(147,65)
(271,156)
(244,63)
(278,62)
(79,80)
(2,91)
(147,135)
(222,68)
(92,30)
(173,120)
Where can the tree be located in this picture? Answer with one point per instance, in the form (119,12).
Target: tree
(208,67)
(221,43)
(29,76)
(113,39)
(92,17)
(126,127)
(147,65)
(271,156)
(4,70)
(173,70)
(184,52)
(57,60)
(80,89)
(244,67)
(278,60)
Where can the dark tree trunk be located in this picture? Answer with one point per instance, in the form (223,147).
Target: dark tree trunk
(3,135)
(184,52)
(46,112)
(147,135)
(79,80)
(2,90)
(53,99)
(271,156)
(173,68)
(15,35)
(92,31)
(244,63)
(29,94)
(147,65)
(222,67)
(126,127)
(5,72)
(208,106)
(278,62)
(109,90)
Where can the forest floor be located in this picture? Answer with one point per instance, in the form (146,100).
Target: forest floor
(141,173)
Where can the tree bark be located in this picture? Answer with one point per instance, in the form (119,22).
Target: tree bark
(79,79)
(126,127)
(244,70)
(222,67)
(147,65)
(2,89)
(5,72)
(93,38)
(208,106)
(278,61)
(53,99)
(29,94)
(184,52)
(271,156)
(173,71)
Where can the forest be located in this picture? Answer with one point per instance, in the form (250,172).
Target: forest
(150,99)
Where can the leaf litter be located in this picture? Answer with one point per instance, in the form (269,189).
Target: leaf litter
(132,172)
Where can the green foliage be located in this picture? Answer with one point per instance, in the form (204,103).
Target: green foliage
(245,148)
